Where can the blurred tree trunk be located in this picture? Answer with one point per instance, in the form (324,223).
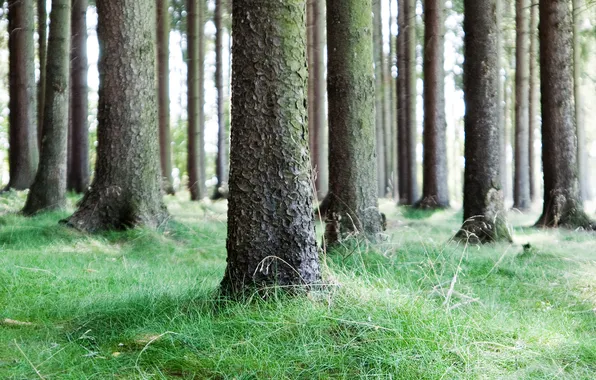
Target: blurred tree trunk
(48,191)
(23,154)
(271,235)
(402,120)
(126,189)
(379,96)
(42,26)
(534,104)
(78,167)
(562,200)
(350,82)
(411,95)
(484,214)
(501,101)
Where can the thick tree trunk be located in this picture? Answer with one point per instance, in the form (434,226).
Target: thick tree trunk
(221,160)
(352,162)
(48,191)
(42,26)
(379,96)
(521,193)
(196,99)
(23,155)
(534,104)
(435,193)
(562,201)
(78,173)
(271,236)
(126,189)
(484,214)
(402,113)
(411,95)
(163,76)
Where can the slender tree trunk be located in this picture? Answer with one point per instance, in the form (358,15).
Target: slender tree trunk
(435,188)
(196,99)
(163,70)
(48,191)
(502,109)
(562,201)
(387,113)
(42,26)
(379,95)
(484,215)
(534,103)
(521,194)
(78,173)
(23,155)
(391,84)
(221,161)
(271,235)
(402,113)
(126,189)
(350,82)
(411,95)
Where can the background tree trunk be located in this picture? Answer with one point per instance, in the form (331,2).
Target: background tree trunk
(484,214)
(78,173)
(379,96)
(411,95)
(402,113)
(501,101)
(221,161)
(163,70)
(271,236)
(42,27)
(562,201)
(521,194)
(350,82)
(126,189)
(48,191)
(534,104)
(435,193)
(23,155)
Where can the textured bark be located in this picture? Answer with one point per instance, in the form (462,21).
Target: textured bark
(48,191)
(126,187)
(435,192)
(562,202)
(78,168)
(379,96)
(521,191)
(221,161)
(534,104)
(23,155)
(163,77)
(402,120)
(352,161)
(42,26)
(484,215)
(317,92)
(196,99)
(271,236)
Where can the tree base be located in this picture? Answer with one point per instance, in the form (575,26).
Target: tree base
(480,231)
(431,203)
(571,220)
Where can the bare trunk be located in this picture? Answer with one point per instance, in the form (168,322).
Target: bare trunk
(402,113)
(411,95)
(221,161)
(42,26)
(379,96)
(534,104)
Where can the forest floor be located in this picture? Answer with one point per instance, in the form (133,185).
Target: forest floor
(141,304)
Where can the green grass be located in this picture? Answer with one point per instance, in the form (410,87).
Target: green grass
(141,304)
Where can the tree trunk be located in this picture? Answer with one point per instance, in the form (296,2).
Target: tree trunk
(317,90)
(221,161)
(387,112)
(411,95)
(534,98)
(42,26)
(48,191)
(350,82)
(196,99)
(435,188)
(23,155)
(501,101)
(78,173)
(126,189)
(379,95)
(562,201)
(163,76)
(484,215)
(521,193)
(271,235)
(402,120)
(391,84)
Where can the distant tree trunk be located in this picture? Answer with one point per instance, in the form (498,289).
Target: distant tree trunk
(501,107)
(48,191)
(484,214)
(582,154)
(387,113)
(411,95)
(271,235)
(521,194)
(196,99)
(221,160)
(534,97)
(379,95)
(352,163)
(562,201)
(163,70)
(391,84)
(78,173)
(23,154)
(42,26)
(402,113)
(435,190)
(126,189)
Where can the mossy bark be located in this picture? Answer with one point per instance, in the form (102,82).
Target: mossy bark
(23,152)
(562,201)
(126,190)
(484,214)
(352,160)
(48,191)
(271,236)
